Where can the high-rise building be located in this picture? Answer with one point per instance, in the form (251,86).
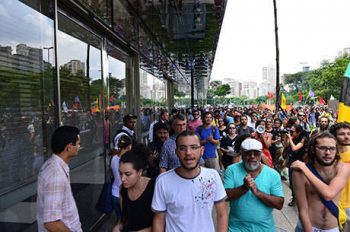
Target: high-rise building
(75,65)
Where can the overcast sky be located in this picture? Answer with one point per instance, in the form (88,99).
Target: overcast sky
(309,31)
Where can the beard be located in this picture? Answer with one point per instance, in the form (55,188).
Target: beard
(189,168)
(346,143)
(251,167)
(323,127)
(321,162)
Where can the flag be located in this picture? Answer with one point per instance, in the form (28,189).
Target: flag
(322,102)
(97,108)
(270,95)
(76,102)
(311,94)
(283,102)
(64,106)
(300,96)
(331,98)
(344,100)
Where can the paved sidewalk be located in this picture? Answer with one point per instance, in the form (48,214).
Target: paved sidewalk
(286,218)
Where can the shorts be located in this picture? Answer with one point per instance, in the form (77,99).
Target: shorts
(299,228)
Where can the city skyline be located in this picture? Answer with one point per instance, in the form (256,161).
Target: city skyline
(309,32)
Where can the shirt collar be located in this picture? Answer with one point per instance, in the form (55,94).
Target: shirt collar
(128,130)
(61,162)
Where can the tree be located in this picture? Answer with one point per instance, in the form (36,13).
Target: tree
(178,93)
(222,90)
(327,80)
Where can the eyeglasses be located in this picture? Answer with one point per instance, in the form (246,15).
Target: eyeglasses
(184,148)
(232,127)
(301,115)
(325,148)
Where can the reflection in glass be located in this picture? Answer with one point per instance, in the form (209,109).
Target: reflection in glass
(153,90)
(27,105)
(81,85)
(117,91)
(124,23)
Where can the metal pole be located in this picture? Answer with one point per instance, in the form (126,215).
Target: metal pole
(277,58)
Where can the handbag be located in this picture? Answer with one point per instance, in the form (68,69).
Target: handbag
(105,200)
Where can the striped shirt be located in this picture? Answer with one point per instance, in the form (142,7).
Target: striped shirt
(55,200)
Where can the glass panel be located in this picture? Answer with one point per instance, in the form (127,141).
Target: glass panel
(27,104)
(124,23)
(153,90)
(117,91)
(102,8)
(79,60)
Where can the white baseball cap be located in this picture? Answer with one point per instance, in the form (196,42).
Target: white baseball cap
(251,145)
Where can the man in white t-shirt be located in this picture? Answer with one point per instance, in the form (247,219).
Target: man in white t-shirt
(184,197)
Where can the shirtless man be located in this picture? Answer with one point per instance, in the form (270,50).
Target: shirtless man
(324,157)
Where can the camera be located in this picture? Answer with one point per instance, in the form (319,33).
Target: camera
(284,131)
(260,129)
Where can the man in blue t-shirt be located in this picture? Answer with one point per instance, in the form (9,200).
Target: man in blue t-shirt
(210,139)
(253,190)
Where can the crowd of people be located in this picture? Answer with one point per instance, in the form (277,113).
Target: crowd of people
(201,158)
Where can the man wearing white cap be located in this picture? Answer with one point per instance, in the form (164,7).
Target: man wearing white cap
(253,190)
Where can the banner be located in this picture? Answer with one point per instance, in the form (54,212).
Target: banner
(344,101)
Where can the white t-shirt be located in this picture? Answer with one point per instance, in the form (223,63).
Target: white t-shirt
(188,203)
(117,181)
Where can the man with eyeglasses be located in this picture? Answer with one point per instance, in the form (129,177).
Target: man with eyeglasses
(322,179)
(56,207)
(341,131)
(184,197)
(253,190)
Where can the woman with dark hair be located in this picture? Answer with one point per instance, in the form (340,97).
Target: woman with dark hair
(294,144)
(125,145)
(136,194)
(226,146)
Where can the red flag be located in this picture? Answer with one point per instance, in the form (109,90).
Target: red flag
(322,102)
(300,96)
(270,95)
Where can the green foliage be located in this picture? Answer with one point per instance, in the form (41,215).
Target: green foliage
(178,93)
(327,80)
(324,81)
(222,90)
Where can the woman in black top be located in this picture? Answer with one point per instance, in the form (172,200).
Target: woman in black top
(229,156)
(136,194)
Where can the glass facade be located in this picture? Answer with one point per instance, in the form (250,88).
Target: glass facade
(27,90)
(86,90)
(75,63)
(80,73)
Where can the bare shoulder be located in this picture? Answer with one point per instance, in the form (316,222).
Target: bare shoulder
(343,168)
